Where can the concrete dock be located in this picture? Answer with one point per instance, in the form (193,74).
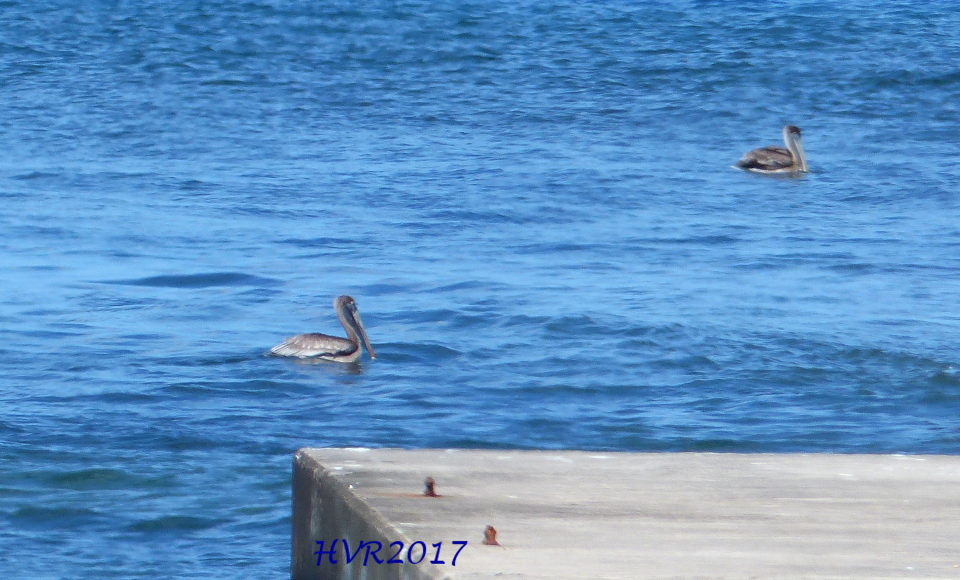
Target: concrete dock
(567,514)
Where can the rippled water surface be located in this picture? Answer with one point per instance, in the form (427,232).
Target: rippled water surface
(531,202)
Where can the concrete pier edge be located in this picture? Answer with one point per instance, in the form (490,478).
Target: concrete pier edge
(325,508)
(572,515)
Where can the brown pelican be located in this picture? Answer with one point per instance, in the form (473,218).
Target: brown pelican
(332,348)
(777,159)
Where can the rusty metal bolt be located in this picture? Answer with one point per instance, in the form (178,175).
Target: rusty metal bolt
(490,536)
(429,492)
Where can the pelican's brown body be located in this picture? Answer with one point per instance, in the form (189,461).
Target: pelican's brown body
(777,159)
(332,348)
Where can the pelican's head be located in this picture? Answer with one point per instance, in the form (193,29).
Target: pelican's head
(792,139)
(347,308)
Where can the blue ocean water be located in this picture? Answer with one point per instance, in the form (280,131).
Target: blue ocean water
(531,202)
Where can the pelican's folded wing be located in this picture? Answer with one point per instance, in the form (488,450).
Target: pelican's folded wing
(315,345)
(766,159)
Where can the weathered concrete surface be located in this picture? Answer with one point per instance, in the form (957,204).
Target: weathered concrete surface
(638,515)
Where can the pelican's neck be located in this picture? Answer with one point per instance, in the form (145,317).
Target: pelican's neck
(788,143)
(350,319)
(348,322)
(796,150)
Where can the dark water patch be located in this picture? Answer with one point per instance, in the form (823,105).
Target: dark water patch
(714,240)
(466,285)
(269,389)
(600,267)
(557,247)
(468,218)
(507,349)
(941,80)
(174,524)
(760,265)
(686,362)
(313,257)
(53,334)
(227,82)
(524,320)
(256,296)
(96,176)
(64,518)
(195,185)
(878,359)
(257,522)
(463,321)
(322,242)
(861,268)
(10,428)
(434,354)
(109,397)
(87,479)
(668,331)
(45,312)
(573,326)
(486,305)
(194,390)
(560,367)
(205,360)
(33,231)
(143,337)
(435,315)
(387,289)
(946,377)
(106,303)
(35,175)
(561,390)
(11,492)
(633,344)
(941,397)
(163,439)
(199,281)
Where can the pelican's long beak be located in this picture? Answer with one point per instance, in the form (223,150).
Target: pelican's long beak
(363,333)
(801,157)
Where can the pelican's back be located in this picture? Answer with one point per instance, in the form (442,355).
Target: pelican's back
(317,345)
(771,158)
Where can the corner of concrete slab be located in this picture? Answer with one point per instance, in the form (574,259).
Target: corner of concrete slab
(325,509)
